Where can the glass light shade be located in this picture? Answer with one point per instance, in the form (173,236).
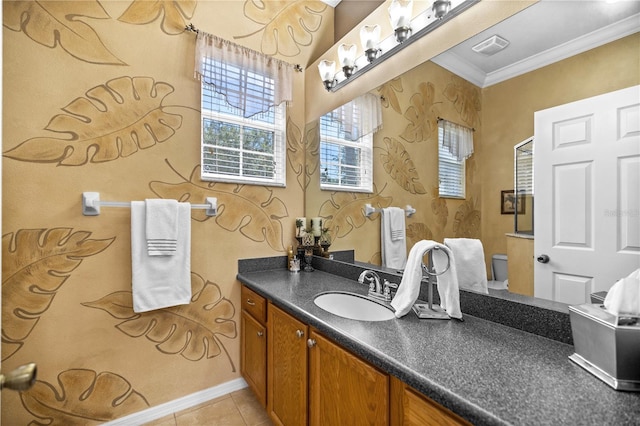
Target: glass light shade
(327,70)
(370,36)
(347,54)
(400,13)
(441,8)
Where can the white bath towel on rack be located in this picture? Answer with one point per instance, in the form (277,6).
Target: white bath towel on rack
(160,281)
(392,238)
(470,267)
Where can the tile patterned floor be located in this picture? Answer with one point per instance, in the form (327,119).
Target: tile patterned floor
(238,408)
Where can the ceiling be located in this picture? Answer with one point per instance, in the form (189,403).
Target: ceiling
(548,31)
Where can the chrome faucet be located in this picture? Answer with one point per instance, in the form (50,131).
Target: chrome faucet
(377,289)
(374,281)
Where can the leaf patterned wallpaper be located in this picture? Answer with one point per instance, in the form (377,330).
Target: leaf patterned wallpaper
(99,95)
(406,166)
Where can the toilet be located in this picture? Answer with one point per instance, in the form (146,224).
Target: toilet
(498,272)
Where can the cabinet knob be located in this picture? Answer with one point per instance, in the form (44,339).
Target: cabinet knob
(311,343)
(299,334)
(260,334)
(251,302)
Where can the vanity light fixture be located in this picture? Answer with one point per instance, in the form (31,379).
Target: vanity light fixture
(327,71)
(347,56)
(406,31)
(370,38)
(400,17)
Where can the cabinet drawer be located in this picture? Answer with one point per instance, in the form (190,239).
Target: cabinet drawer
(255,304)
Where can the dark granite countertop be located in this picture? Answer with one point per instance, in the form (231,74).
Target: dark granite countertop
(486,372)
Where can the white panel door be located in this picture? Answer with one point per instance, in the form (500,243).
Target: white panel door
(587,195)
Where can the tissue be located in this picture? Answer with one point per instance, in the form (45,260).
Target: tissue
(623,299)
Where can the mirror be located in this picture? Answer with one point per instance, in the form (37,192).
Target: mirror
(496,95)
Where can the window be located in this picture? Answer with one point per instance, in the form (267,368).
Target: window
(235,148)
(524,167)
(345,165)
(450,171)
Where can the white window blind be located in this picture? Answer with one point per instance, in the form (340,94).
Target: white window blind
(451,171)
(524,168)
(236,148)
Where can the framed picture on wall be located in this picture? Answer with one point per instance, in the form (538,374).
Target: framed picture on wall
(508,202)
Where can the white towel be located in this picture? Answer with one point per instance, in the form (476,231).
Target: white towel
(392,238)
(161,226)
(448,289)
(160,281)
(623,298)
(470,266)
(409,288)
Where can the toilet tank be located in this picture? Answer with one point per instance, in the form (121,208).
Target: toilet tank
(499,267)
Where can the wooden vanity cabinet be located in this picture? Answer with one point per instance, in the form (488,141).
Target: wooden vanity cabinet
(307,379)
(411,408)
(287,369)
(344,390)
(253,353)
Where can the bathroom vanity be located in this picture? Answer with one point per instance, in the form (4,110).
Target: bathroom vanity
(299,359)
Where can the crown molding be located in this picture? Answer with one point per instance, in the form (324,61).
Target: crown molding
(473,74)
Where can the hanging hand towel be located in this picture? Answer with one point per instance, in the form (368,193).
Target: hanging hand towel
(161,226)
(392,236)
(470,266)
(160,281)
(409,288)
(448,289)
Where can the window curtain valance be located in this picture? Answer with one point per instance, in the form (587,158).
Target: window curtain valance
(457,139)
(361,116)
(255,95)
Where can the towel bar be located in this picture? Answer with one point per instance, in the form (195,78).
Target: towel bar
(91,204)
(369,210)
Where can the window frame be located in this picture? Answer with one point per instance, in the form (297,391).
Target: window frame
(278,128)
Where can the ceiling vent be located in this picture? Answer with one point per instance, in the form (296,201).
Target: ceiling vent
(491,45)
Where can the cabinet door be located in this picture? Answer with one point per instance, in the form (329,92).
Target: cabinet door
(287,368)
(343,389)
(253,362)
(410,408)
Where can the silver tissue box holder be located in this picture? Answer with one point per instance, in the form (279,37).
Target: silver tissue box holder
(607,346)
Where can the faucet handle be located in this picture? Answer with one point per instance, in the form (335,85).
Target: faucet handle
(387,286)
(390,284)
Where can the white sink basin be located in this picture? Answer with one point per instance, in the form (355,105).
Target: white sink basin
(353,306)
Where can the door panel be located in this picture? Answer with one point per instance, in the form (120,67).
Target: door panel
(573,205)
(629,234)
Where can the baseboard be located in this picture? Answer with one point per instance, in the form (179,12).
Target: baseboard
(179,404)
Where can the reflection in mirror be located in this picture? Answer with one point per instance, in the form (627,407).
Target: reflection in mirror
(499,105)
(523,192)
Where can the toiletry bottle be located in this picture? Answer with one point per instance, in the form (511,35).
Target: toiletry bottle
(290,260)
